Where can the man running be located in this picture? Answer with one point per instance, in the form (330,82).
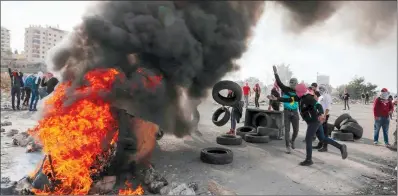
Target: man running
(312,113)
(246,94)
(325,100)
(290,106)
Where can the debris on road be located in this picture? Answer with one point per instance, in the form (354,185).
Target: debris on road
(33,147)
(6,123)
(12,132)
(22,139)
(217,189)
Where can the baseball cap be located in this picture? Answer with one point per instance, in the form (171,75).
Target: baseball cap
(384,90)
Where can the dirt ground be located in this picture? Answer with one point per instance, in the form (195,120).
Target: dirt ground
(257,169)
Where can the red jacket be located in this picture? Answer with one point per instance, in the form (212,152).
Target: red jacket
(382,108)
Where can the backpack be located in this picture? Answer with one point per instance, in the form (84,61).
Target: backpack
(30,82)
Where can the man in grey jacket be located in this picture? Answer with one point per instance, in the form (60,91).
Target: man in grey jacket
(16,84)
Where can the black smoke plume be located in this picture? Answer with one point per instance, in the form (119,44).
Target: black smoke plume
(190,44)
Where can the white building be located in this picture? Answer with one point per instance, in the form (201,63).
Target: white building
(323,79)
(38,40)
(5,40)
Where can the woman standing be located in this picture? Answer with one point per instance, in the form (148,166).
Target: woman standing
(257,91)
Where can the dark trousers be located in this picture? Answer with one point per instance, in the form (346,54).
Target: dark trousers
(22,93)
(316,128)
(325,131)
(28,91)
(15,92)
(346,105)
(275,106)
(291,117)
(256,101)
(34,100)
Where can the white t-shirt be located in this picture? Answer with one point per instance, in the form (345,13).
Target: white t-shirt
(326,101)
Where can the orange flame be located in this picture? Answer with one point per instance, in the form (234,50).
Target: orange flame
(129,191)
(73,135)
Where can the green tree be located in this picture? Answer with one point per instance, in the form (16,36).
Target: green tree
(356,87)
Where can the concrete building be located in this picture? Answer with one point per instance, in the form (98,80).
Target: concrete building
(323,79)
(38,40)
(5,40)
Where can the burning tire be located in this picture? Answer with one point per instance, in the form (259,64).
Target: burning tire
(229,140)
(343,136)
(353,128)
(266,131)
(340,119)
(230,85)
(224,119)
(255,138)
(261,119)
(216,156)
(242,131)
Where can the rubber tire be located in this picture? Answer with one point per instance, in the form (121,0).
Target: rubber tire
(217,114)
(353,128)
(347,121)
(340,119)
(229,140)
(159,134)
(343,136)
(255,138)
(256,123)
(266,131)
(207,156)
(242,131)
(230,85)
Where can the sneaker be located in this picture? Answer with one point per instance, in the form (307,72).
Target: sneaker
(231,132)
(375,143)
(319,146)
(292,144)
(343,151)
(288,150)
(323,149)
(306,163)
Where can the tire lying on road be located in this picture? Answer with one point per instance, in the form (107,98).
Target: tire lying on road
(347,121)
(343,136)
(216,155)
(266,131)
(353,128)
(255,138)
(224,119)
(340,119)
(261,119)
(242,131)
(229,140)
(230,85)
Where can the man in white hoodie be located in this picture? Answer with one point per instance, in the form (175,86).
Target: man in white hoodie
(325,100)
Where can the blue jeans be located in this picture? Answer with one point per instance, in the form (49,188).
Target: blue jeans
(317,128)
(233,120)
(384,123)
(34,99)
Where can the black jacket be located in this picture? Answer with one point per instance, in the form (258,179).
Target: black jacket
(50,84)
(16,81)
(286,90)
(310,109)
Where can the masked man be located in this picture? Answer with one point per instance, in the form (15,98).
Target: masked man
(325,100)
(382,109)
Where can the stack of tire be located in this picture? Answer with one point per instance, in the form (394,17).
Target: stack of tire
(348,128)
(253,135)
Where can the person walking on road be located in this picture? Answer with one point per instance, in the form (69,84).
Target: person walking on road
(382,109)
(346,98)
(16,84)
(367,98)
(290,106)
(325,100)
(246,94)
(312,113)
(257,92)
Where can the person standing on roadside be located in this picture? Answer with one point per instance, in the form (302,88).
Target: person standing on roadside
(363,98)
(16,84)
(290,107)
(382,109)
(367,98)
(246,94)
(346,98)
(257,92)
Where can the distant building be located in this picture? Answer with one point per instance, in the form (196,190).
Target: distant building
(323,79)
(38,40)
(5,40)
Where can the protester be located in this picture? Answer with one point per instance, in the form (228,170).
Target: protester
(325,100)
(290,106)
(346,98)
(16,84)
(312,113)
(33,82)
(236,114)
(367,98)
(274,104)
(257,92)
(382,109)
(23,93)
(49,82)
(246,94)
(363,98)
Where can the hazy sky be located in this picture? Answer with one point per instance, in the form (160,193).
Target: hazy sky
(328,49)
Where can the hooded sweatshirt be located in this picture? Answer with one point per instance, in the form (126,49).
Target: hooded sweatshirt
(16,78)
(289,97)
(382,107)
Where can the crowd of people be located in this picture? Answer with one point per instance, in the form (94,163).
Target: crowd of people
(313,104)
(26,88)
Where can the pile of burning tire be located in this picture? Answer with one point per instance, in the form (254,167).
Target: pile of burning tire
(348,128)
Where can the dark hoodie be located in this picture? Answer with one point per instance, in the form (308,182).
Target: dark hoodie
(16,79)
(310,109)
(50,84)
